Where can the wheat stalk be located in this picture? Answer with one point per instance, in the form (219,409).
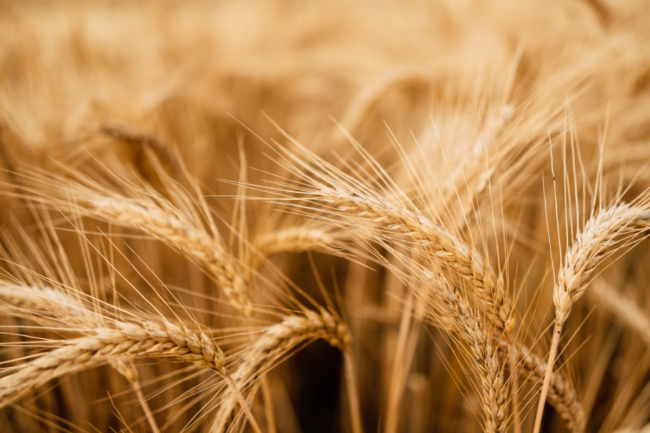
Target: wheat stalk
(153,214)
(180,234)
(351,199)
(273,343)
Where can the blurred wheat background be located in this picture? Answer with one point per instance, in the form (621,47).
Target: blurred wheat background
(303,216)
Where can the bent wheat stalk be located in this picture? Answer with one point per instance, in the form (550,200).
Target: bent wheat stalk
(275,342)
(354,201)
(444,246)
(588,250)
(179,233)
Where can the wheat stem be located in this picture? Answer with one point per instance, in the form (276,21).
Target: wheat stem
(353,393)
(557,331)
(145,407)
(242,403)
(512,364)
(396,389)
(268,407)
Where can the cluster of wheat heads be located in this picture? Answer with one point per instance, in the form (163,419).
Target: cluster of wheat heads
(324,216)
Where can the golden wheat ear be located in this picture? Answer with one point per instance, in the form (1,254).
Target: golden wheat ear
(326,192)
(177,218)
(617,224)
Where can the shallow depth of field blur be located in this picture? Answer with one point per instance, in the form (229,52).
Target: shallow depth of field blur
(507,123)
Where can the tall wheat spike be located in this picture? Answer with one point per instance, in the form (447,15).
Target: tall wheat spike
(588,250)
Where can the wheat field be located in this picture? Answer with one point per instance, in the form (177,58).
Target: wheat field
(346,216)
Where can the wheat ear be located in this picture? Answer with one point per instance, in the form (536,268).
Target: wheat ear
(587,251)
(179,233)
(46,303)
(275,342)
(483,353)
(141,209)
(442,245)
(353,200)
(66,308)
(126,340)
